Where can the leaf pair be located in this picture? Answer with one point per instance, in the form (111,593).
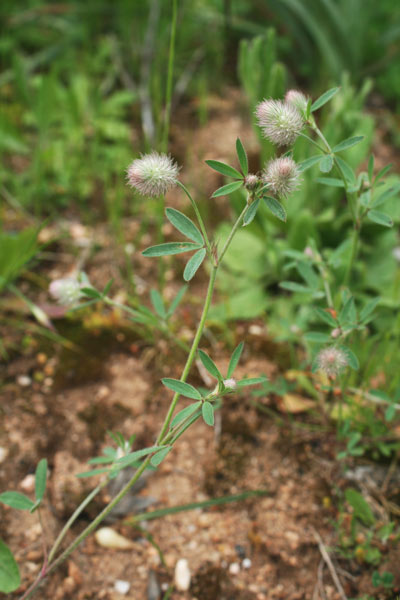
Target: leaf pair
(229,171)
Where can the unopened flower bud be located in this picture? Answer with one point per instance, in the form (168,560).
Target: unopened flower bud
(282,176)
(230,384)
(251,182)
(308,251)
(66,291)
(281,122)
(331,360)
(153,174)
(297,99)
(335,333)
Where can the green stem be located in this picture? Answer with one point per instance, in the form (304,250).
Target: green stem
(171,58)
(232,233)
(354,248)
(198,216)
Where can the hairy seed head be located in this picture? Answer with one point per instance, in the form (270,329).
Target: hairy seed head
(281,122)
(153,174)
(331,360)
(282,176)
(66,291)
(297,99)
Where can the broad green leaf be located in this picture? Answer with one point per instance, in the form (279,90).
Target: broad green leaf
(326,163)
(317,337)
(224,169)
(184,413)
(170,248)
(93,472)
(242,156)
(175,302)
(227,189)
(158,303)
(133,457)
(293,286)
(182,388)
(360,506)
(208,413)
(16,500)
(332,181)
(183,224)
(251,212)
(324,99)
(351,141)
(251,381)
(193,264)
(325,316)
(159,456)
(210,365)
(380,218)
(40,479)
(10,578)
(275,207)
(351,358)
(309,162)
(236,354)
(347,170)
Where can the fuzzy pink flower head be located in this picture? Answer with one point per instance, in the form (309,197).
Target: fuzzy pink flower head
(282,176)
(331,361)
(251,181)
(66,291)
(230,384)
(281,122)
(153,174)
(297,99)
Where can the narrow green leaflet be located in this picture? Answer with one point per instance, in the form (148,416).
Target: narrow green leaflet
(236,354)
(369,308)
(175,302)
(351,141)
(275,207)
(158,303)
(159,456)
(347,170)
(251,212)
(182,388)
(251,381)
(325,316)
(227,189)
(40,479)
(92,473)
(351,358)
(91,293)
(348,313)
(133,457)
(16,500)
(293,286)
(308,274)
(242,156)
(360,506)
(380,218)
(184,413)
(208,413)
(389,193)
(332,181)
(224,169)
(193,264)
(382,172)
(317,337)
(171,248)
(324,99)
(309,162)
(10,578)
(326,164)
(210,365)
(183,224)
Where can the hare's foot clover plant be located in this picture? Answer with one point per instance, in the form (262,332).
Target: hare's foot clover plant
(153,175)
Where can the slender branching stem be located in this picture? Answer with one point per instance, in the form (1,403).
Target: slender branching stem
(199,218)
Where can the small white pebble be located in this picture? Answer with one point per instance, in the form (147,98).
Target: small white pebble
(234,568)
(24,380)
(182,575)
(3,454)
(246,563)
(28,483)
(122,587)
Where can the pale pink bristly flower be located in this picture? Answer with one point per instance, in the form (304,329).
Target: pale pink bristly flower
(331,360)
(66,291)
(153,174)
(230,384)
(251,181)
(297,99)
(281,122)
(282,176)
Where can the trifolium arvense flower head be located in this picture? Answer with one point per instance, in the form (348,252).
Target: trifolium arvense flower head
(153,174)
(66,291)
(230,384)
(331,361)
(251,182)
(282,176)
(281,122)
(297,99)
